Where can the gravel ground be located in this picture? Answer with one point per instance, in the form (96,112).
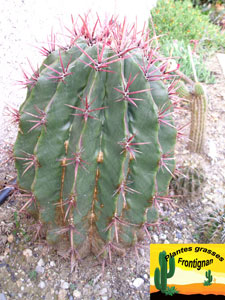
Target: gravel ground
(30,269)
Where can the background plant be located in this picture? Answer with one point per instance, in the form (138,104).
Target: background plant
(206,2)
(179,50)
(189,183)
(213,228)
(180,21)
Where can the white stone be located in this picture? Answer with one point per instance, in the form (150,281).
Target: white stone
(27,253)
(62,295)
(138,282)
(76,294)
(103,291)
(155,237)
(42,284)
(163,236)
(142,252)
(52,263)
(96,279)
(10,238)
(41,263)
(2,296)
(65,285)
(39,269)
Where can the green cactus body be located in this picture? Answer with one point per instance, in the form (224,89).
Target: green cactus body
(160,276)
(90,143)
(198,119)
(182,90)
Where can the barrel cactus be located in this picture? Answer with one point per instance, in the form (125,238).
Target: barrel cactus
(212,229)
(96,137)
(188,183)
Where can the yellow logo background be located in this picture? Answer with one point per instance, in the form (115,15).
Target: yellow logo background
(188,279)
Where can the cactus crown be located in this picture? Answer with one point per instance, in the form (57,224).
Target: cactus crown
(96,137)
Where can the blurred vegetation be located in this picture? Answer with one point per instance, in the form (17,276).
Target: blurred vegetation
(179,20)
(179,24)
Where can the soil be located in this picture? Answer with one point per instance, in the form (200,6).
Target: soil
(29,269)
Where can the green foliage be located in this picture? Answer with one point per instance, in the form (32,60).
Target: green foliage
(179,50)
(19,231)
(160,276)
(170,291)
(180,21)
(33,275)
(205,3)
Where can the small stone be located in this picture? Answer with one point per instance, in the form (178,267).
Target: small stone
(62,294)
(65,285)
(27,253)
(162,236)
(2,296)
(119,268)
(96,279)
(76,294)
(39,269)
(180,226)
(155,238)
(19,283)
(142,252)
(42,284)
(146,276)
(52,264)
(10,238)
(103,291)
(48,296)
(104,298)
(178,235)
(138,282)
(41,263)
